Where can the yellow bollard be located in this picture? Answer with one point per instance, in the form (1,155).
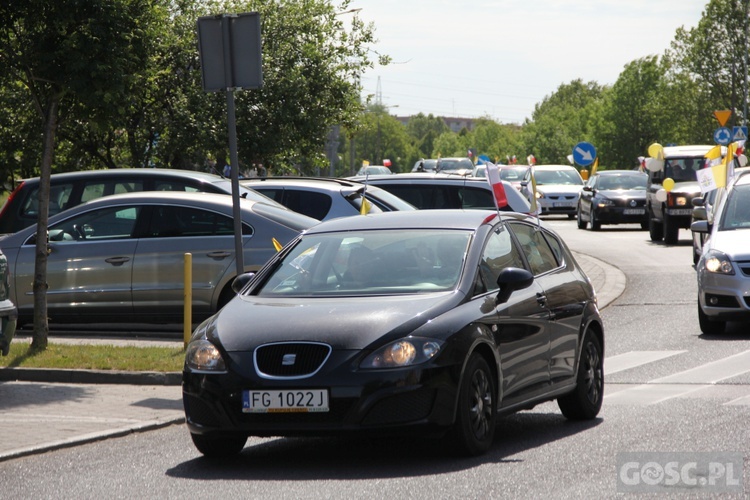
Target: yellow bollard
(188,299)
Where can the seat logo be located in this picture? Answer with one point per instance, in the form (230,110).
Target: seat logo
(288,359)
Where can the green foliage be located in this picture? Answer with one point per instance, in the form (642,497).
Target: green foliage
(95,357)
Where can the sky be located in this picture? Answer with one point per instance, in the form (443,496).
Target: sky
(499,58)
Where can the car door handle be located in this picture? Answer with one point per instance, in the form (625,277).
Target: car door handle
(219,255)
(541,299)
(117,261)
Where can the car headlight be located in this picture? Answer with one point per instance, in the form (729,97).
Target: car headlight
(604,202)
(718,262)
(201,354)
(539,194)
(680,201)
(404,352)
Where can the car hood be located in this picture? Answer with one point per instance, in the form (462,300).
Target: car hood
(559,188)
(689,187)
(629,194)
(344,323)
(733,243)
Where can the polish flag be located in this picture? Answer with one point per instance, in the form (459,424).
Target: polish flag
(493,177)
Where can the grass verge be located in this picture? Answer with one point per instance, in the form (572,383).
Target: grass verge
(95,357)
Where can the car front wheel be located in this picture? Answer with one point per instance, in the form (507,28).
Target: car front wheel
(585,401)
(581,223)
(595,224)
(671,231)
(655,229)
(710,326)
(474,429)
(219,446)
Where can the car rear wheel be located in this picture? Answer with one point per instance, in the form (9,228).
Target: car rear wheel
(585,401)
(219,446)
(474,429)
(579,220)
(708,325)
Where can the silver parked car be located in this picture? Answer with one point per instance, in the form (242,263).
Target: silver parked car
(121,258)
(558,188)
(723,270)
(325,198)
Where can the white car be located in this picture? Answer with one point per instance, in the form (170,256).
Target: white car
(558,188)
(723,270)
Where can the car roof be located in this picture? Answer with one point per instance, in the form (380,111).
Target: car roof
(691,150)
(421,177)
(554,167)
(141,172)
(419,219)
(620,172)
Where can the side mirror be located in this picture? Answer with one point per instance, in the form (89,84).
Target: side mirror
(510,280)
(700,226)
(588,188)
(698,202)
(240,281)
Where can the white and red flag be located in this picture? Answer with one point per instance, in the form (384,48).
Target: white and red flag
(493,177)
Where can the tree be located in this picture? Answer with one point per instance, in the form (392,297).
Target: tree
(423,131)
(378,136)
(70,58)
(561,120)
(496,140)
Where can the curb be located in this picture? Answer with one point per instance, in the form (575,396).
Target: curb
(90,376)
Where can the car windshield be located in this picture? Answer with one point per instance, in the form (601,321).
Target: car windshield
(512,174)
(682,169)
(566,177)
(737,210)
(637,182)
(444,164)
(375,262)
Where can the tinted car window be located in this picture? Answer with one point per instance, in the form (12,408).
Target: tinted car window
(312,204)
(499,253)
(58,199)
(105,224)
(176,221)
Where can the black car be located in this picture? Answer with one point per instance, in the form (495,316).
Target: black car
(417,323)
(613,197)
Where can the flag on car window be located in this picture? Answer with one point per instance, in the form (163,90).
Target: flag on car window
(498,190)
(594,167)
(278,246)
(532,201)
(366,205)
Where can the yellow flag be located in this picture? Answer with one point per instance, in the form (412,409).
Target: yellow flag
(278,246)
(533,193)
(596,164)
(713,154)
(366,205)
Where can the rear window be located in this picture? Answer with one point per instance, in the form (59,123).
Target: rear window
(284,216)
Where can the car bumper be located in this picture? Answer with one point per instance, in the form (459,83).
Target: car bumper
(550,207)
(415,401)
(724,297)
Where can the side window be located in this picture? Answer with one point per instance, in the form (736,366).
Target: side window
(58,198)
(411,194)
(477,198)
(315,205)
(499,253)
(92,191)
(538,252)
(174,185)
(103,224)
(128,187)
(175,221)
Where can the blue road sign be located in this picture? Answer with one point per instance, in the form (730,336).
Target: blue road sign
(739,134)
(723,136)
(584,154)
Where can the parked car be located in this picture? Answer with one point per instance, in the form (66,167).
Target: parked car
(613,197)
(374,170)
(120,258)
(558,188)
(325,198)
(8,312)
(443,320)
(431,191)
(73,188)
(511,173)
(425,165)
(667,217)
(723,270)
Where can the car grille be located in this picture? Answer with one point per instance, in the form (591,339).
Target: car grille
(562,197)
(744,267)
(290,359)
(630,203)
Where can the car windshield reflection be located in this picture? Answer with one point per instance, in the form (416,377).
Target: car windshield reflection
(385,262)
(737,211)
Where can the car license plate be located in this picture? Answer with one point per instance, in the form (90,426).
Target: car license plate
(286,401)
(634,211)
(680,211)
(563,204)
